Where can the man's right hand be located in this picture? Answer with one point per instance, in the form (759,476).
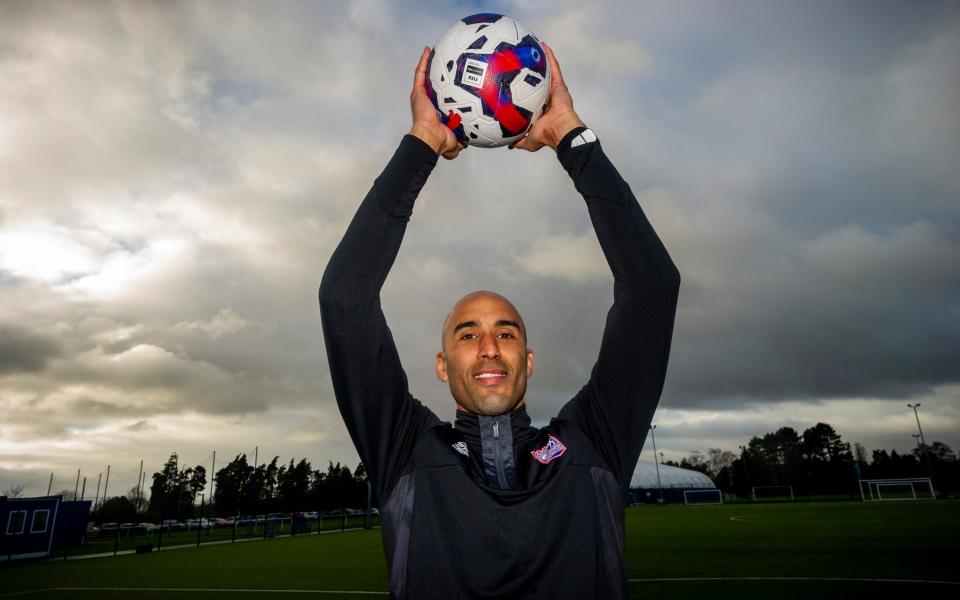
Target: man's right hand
(426,123)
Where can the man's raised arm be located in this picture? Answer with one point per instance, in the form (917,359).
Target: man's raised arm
(371,388)
(616,406)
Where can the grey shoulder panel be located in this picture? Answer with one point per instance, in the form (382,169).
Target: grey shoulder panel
(396,515)
(610,507)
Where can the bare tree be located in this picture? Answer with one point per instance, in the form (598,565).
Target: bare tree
(717,459)
(860,453)
(14,491)
(133,495)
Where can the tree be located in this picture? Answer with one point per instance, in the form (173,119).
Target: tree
(937,450)
(822,443)
(941,464)
(718,459)
(267,490)
(13,491)
(174,490)
(233,482)
(118,509)
(774,457)
(695,462)
(293,483)
(827,461)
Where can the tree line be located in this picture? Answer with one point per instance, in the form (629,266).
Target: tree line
(240,488)
(815,462)
(819,462)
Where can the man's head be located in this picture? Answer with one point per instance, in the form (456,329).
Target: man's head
(485,358)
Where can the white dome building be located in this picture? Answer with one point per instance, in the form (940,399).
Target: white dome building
(645,477)
(673,481)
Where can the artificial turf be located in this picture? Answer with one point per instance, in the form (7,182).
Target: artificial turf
(671,551)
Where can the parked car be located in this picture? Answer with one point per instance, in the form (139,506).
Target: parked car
(172,525)
(220,522)
(198,523)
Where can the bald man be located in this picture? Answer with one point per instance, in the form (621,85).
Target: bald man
(492,507)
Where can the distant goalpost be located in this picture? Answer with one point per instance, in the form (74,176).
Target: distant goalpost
(909,488)
(772,492)
(707,496)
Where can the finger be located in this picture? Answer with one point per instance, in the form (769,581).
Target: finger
(420,75)
(554,65)
(451,154)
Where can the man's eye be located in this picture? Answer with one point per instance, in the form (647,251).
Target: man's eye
(506,334)
(468,336)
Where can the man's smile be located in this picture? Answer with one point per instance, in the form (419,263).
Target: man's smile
(490,376)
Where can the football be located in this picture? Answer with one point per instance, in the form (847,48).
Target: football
(488,79)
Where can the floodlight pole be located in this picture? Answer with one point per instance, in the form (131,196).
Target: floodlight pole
(917,417)
(743,459)
(136,514)
(653,438)
(923,444)
(213,477)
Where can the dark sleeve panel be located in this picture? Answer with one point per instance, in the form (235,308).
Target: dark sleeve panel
(616,405)
(383,419)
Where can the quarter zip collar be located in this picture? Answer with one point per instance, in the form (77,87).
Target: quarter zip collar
(494,439)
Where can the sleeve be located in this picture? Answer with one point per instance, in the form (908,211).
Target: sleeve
(383,419)
(616,405)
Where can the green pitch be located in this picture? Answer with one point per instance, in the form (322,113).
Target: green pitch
(828,550)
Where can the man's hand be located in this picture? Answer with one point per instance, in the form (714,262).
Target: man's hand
(558,119)
(426,123)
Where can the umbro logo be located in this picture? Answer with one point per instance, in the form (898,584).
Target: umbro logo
(461,448)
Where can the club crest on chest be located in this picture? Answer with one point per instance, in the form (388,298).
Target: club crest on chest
(553,449)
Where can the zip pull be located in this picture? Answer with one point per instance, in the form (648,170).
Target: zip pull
(496,428)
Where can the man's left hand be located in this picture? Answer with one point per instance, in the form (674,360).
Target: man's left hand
(559,117)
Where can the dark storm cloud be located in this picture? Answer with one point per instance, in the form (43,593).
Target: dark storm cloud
(24,351)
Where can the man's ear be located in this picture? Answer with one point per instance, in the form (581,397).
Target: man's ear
(529,362)
(442,367)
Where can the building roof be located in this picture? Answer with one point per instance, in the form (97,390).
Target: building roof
(645,476)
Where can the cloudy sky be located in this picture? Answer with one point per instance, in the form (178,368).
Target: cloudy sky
(174,177)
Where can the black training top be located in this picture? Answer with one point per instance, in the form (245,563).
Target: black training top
(492,507)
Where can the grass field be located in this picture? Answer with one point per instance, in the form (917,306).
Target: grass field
(782,551)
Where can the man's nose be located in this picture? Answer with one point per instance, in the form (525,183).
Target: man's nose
(489,347)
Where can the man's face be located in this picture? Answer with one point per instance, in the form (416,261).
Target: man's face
(485,358)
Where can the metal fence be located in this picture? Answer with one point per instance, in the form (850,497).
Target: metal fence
(125,538)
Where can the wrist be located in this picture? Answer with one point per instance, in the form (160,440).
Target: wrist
(429,136)
(561,128)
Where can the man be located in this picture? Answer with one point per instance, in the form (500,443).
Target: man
(492,507)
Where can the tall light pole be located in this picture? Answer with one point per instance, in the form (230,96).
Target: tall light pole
(743,459)
(917,416)
(923,443)
(653,438)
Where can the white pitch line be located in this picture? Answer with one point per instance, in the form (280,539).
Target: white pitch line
(850,579)
(198,590)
